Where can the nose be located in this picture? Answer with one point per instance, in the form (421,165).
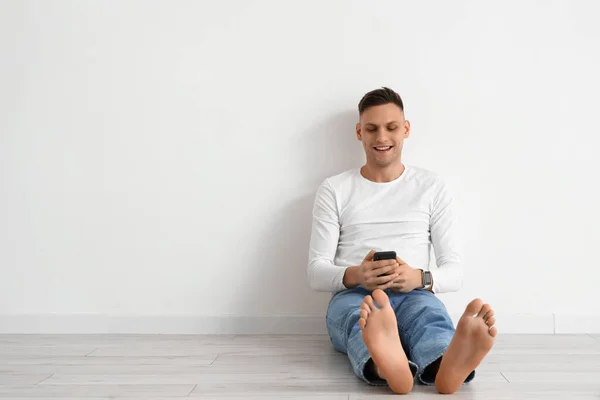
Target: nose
(381,135)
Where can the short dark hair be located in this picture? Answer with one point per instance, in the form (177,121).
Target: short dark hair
(379,97)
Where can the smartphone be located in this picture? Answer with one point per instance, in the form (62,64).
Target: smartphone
(384,255)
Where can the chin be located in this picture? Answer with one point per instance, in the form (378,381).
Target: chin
(380,164)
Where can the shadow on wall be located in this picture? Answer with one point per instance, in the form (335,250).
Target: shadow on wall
(328,148)
(320,151)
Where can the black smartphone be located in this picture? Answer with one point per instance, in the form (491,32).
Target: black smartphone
(384,255)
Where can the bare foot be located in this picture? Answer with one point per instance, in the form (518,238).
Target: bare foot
(473,339)
(380,333)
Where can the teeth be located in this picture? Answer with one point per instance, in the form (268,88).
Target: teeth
(383,148)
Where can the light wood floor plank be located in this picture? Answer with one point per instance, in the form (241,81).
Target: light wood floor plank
(168,367)
(83,361)
(21,378)
(91,398)
(46,350)
(573,378)
(70,391)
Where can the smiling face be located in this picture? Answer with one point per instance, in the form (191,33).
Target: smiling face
(382,130)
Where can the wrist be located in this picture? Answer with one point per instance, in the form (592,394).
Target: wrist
(351,277)
(419,279)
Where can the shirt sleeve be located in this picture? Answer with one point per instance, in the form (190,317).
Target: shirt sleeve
(323,275)
(448,277)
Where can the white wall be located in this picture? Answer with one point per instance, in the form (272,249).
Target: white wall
(159,159)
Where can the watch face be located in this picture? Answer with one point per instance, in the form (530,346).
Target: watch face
(427,278)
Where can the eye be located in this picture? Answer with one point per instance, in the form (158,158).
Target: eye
(392,128)
(372,130)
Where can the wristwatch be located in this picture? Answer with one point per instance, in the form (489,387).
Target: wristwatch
(426,279)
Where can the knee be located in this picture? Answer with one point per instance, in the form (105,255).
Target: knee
(422,316)
(429,312)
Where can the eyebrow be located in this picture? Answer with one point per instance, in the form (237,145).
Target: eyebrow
(387,123)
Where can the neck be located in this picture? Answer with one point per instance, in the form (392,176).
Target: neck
(382,175)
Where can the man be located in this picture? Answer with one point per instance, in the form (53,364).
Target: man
(384,314)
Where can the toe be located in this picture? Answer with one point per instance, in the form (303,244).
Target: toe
(365,307)
(381,298)
(369,301)
(493,331)
(364,314)
(484,310)
(491,321)
(489,314)
(473,308)
(362,323)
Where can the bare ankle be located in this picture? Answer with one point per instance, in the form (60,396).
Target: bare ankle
(372,372)
(432,370)
(379,373)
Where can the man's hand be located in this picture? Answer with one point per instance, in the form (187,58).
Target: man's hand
(408,278)
(372,274)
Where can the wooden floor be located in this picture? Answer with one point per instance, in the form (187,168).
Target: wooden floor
(283,367)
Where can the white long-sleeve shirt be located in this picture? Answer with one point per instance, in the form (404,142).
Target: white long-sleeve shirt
(353,215)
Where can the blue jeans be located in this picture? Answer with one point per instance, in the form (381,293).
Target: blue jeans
(423,323)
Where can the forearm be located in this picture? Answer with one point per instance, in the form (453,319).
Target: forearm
(324,276)
(447,278)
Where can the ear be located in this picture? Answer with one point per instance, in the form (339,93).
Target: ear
(406,128)
(358,131)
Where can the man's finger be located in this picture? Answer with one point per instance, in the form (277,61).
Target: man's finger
(385,279)
(383,263)
(400,261)
(381,271)
(386,286)
(392,284)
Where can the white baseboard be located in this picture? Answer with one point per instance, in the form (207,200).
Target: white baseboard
(98,324)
